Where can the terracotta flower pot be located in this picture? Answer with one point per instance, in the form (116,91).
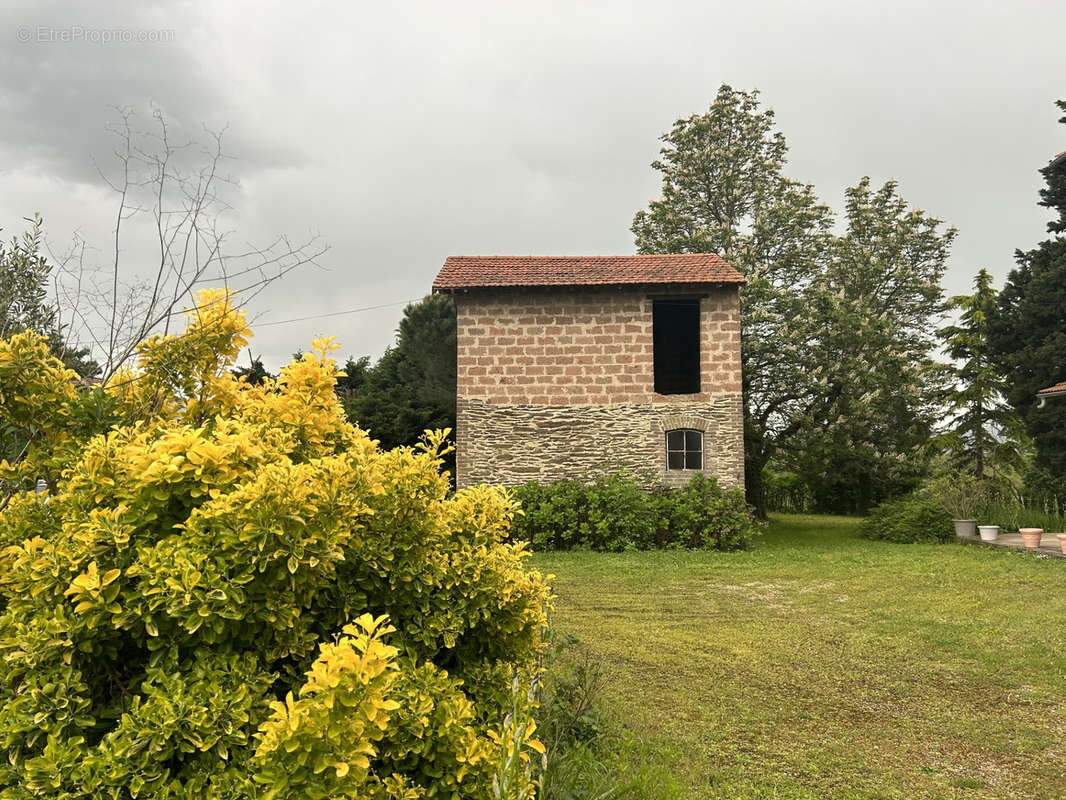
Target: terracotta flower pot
(965,527)
(1062,541)
(1031,536)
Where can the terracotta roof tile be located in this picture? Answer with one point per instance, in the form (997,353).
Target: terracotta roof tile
(1058,388)
(468,272)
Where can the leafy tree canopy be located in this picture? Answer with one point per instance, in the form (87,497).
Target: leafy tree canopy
(837,329)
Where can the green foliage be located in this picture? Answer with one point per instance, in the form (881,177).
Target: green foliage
(615,513)
(718,169)
(1032,499)
(230,592)
(701,515)
(1011,513)
(962,496)
(982,429)
(411,389)
(836,329)
(255,372)
(24,304)
(1042,488)
(1053,196)
(786,492)
(612,513)
(1027,331)
(587,752)
(916,517)
(574,679)
(864,436)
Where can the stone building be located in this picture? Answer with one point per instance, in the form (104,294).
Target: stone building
(567,366)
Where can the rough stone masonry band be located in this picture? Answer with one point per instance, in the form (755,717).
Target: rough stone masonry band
(568,365)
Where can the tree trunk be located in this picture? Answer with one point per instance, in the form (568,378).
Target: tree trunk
(979,444)
(756,455)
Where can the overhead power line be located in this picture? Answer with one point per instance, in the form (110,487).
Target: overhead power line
(333,313)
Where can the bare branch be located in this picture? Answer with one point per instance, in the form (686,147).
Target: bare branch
(181,185)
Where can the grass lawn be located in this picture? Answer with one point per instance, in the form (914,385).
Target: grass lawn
(820,665)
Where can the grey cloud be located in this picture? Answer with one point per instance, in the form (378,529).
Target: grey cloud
(59,95)
(407,132)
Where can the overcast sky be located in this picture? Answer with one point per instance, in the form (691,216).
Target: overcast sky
(406,132)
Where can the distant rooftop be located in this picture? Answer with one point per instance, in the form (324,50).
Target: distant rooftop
(1058,388)
(470,272)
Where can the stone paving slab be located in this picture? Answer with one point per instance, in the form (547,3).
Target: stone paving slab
(1049,545)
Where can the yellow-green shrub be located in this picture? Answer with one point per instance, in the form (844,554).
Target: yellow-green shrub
(230,592)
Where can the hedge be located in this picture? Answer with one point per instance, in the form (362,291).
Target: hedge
(616,513)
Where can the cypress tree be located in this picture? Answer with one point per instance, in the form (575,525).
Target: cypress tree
(1027,331)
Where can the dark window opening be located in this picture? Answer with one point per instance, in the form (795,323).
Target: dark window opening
(675,330)
(684,449)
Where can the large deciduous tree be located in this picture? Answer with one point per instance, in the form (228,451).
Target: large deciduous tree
(877,304)
(836,329)
(1028,329)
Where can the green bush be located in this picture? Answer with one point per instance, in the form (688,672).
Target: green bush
(568,713)
(702,515)
(961,496)
(916,517)
(615,513)
(232,593)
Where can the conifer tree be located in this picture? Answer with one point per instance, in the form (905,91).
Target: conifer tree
(1027,332)
(982,425)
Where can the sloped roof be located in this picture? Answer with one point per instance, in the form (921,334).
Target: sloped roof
(1058,388)
(469,272)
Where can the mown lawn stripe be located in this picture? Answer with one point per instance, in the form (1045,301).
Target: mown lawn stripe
(823,665)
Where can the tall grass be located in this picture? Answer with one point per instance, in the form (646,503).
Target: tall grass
(1011,512)
(589,754)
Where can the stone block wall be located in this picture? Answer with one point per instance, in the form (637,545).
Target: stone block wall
(555,383)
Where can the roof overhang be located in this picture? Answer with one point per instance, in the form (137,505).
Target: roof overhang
(465,273)
(1051,391)
(1058,390)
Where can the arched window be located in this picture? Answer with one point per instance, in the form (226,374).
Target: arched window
(684,449)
